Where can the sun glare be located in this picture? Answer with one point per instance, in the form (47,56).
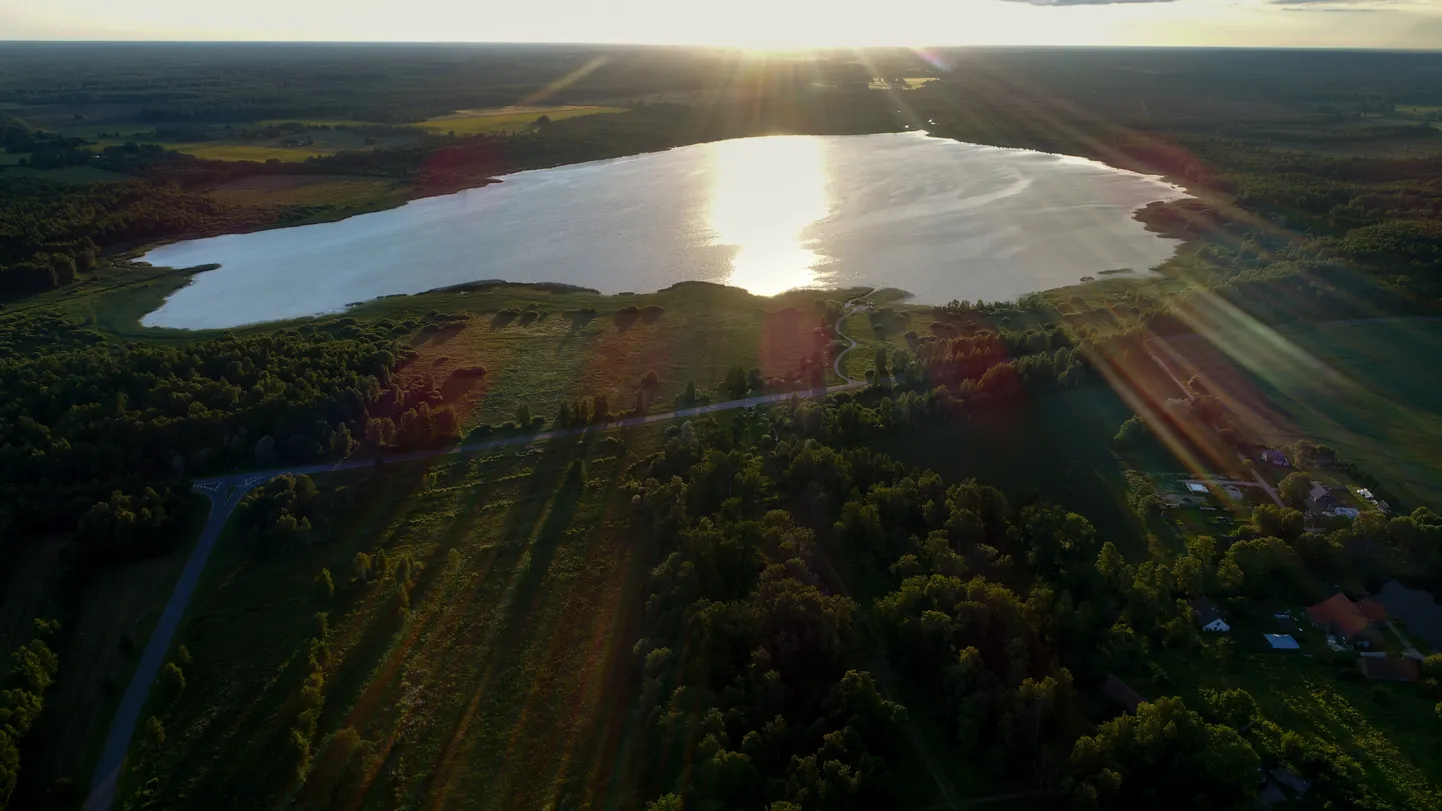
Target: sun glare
(764,193)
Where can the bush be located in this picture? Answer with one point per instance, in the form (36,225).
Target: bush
(469,371)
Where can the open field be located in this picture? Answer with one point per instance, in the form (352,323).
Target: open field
(1389,728)
(308,190)
(1069,428)
(1358,387)
(506,119)
(493,690)
(322,142)
(701,331)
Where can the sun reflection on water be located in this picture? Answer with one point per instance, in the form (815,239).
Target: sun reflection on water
(764,193)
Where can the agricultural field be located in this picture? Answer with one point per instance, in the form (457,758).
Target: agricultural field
(1354,386)
(506,120)
(319,143)
(309,190)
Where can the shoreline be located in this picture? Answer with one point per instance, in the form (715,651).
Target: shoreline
(1171,226)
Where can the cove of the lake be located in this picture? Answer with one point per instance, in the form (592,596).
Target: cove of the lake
(938,218)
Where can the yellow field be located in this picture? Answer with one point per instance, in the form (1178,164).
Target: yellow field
(249,151)
(505,119)
(313,190)
(911,83)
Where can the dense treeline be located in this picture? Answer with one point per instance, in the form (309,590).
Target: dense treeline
(50,231)
(1000,613)
(96,429)
(22,700)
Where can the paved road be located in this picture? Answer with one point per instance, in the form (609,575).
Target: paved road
(225,492)
(107,771)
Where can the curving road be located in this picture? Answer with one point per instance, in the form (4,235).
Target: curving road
(225,492)
(846,309)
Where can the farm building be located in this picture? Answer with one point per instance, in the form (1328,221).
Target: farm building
(1388,668)
(1276,458)
(1282,642)
(1372,610)
(1196,487)
(1209,617)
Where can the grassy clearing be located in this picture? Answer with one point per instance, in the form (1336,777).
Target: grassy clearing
(1390,728)
(506,119)
(1358,387)
(494,690)
(309,190)
(1054,447)
(702,331)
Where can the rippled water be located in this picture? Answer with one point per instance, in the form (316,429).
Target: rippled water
(938,218)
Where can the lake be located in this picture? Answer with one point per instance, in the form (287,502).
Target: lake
(939,218)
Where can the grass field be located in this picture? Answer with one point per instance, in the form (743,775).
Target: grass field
(1053,447)
(1359,387)
(323,143)
(1389,728)
(506,119)
(309,190)
(493,690)
(702,331)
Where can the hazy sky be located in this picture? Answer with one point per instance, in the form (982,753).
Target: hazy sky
(750,23)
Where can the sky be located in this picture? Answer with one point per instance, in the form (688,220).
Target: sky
(1411,24)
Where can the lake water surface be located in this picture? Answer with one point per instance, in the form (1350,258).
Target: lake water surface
(939,218)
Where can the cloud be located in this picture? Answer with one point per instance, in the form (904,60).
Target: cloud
(1085,2)
(1334,5)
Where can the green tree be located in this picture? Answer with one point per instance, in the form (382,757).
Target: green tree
(1295,490)
(1164,756)
(361,565)
(325,585)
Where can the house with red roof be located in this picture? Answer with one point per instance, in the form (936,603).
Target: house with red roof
(1341,617)
(1372,610)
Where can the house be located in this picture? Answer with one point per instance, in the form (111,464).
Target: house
(1340,616)
(1372,610)
(1117,690)
(1346,512)
(1276,458)
(1282,642)
(1196,487)
(1388,668)
(1318,491)
(1209,617)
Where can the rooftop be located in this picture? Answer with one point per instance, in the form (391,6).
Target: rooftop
(1282,642)
(1340,615)
(1388,668)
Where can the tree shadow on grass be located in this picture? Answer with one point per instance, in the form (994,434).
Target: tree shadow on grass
(503,319)
(580,319)
(626,317)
